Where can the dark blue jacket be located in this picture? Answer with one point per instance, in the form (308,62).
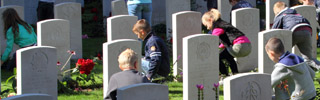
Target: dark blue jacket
(156,53)
(242,4)
(289,19)
(290,59)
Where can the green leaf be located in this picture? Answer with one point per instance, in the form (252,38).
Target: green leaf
(13,76)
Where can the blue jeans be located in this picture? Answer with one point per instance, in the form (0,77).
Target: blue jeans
(145,65)
(142,11)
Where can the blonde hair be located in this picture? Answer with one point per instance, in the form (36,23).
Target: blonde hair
(278,6)
(213,14)
(141,24)
(127,58)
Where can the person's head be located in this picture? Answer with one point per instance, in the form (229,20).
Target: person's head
(11,19)
(233,2)
(210,17)
(274,49)
(307,2)
(293,3)
(141,28)
(278,7)
(128,59)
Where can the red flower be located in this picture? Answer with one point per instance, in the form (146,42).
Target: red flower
(95,18)
(94,10)
(71,52)
(58,63)
(171,40)
(86,65)
(99,56)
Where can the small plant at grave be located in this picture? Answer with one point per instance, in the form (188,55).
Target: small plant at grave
(216,89)
(84,66)
(200,91)
(318,94)
(13,89)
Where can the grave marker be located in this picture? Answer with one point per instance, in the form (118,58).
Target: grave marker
(111,51)
(120,27)
(119,7)
(183,24)
(200,65)
(247,86)
(37,70)
(247,21)
(72,12)
(265,65)
(143,91)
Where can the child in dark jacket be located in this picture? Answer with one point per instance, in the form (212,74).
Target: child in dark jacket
(289,19)
(233,42)
(291,77)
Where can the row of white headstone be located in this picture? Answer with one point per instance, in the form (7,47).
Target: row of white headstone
(186,26)
(30,7)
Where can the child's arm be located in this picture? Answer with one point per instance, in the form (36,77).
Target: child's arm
(279,73)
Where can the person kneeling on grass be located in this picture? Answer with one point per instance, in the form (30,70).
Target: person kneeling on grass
(291,78)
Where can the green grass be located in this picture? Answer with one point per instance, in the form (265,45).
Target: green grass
(90,47)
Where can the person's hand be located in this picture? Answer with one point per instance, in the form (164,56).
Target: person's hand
(148,78)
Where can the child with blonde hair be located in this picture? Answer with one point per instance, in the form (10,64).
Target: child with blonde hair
(233,42)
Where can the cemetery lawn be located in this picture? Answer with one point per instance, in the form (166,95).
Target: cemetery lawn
(91,47)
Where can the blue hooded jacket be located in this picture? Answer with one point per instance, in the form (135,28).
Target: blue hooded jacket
(289,19)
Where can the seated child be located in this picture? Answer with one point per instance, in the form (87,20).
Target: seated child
(128,76)
(291,78)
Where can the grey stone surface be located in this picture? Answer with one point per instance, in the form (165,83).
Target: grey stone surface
(30,96)
(252,2)
(120,27)
(265,65)
(37,70)
(56,33)
(309,12)
(184,23)
(174,6)
(247,21)
(200,65)
(143,91)
(29,6)
(199,6)
(3,41)
(63,1)
(224,7)
(72,12)
(111,51)
(247,86)
(269,12)
(118,7)
(81,2)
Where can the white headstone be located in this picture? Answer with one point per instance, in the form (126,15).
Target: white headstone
(184,23)
(200,65)
(111,51)
(120,27)
(37,70)
(265,65)
(3,41)
(119,7)
(29,6)
(56,33)
(63,1)
(30,96)
(247,21)
(269,12)
(174,6)
(224,7)
(72,12)
(143,91)
(247,86)
(309,12)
